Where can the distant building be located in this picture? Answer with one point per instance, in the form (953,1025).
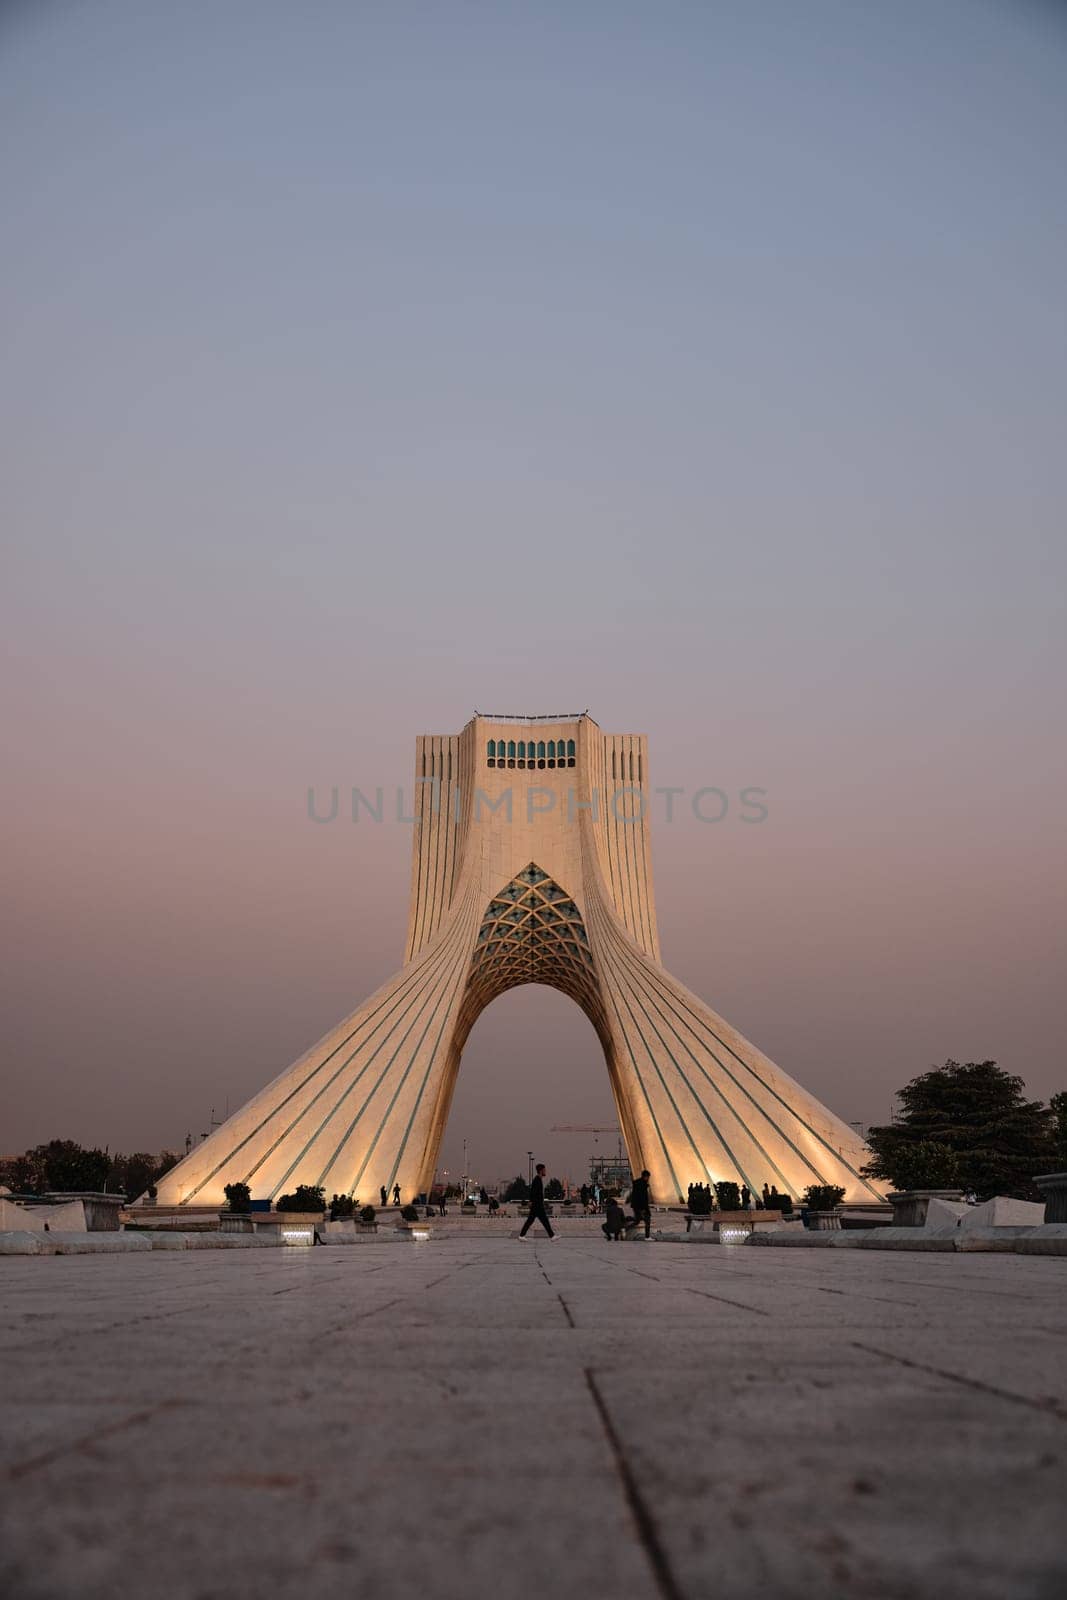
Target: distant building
(611,1172)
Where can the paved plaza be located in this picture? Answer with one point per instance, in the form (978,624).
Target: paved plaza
(481,1418)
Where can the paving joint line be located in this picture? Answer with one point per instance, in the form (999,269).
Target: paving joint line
(858,1294)
(647,1532)
(1048,1407)
(48,1457)
(361,1316)
(688,1289)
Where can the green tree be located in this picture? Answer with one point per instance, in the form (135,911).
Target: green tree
(975,1112)
(24,1174)
(67,1166)
(923,1164)
(553,1189)
(517,1189)
(1058,1107)
(131,1175)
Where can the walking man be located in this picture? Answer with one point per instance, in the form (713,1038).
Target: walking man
(641,1202)
(537,1204)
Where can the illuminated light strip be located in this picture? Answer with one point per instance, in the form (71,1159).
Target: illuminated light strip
(717,1132)
(628,993)
(641,1083)
(416,976)
(682,1005)
(450,943)
(460,941)
(746,1131)
(404,1010)
(763,1111)
(425,1077)
(430,996)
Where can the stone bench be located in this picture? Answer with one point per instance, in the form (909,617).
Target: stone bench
(698,1220)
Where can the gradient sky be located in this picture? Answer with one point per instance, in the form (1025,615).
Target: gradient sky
(702,364)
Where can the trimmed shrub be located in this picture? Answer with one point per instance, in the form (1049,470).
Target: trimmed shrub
(305,1197)
(238,1196)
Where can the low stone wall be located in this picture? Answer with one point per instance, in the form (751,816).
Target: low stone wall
(1047,1239)
(26,1243)
(67,1216)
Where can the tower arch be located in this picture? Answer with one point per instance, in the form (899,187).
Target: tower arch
(544,878)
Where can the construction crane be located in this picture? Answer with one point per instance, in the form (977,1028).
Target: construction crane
(584,1127)
(590,1127)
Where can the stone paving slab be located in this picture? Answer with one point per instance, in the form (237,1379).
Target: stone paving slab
(476,1417)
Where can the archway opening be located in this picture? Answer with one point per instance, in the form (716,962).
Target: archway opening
(532,1062)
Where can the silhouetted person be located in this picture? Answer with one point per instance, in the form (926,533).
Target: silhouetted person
(537,1212)
(615,1220)
(766,1195)
(383,1191)
(746,1196)
(442,1202)
(396,1194)
(641,1201)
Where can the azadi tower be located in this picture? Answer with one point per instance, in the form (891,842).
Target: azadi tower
(531,864)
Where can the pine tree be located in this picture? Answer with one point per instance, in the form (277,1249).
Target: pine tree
(975,1115)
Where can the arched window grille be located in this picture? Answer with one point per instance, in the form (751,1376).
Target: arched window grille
(534,753)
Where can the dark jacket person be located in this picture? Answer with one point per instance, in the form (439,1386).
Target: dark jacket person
(537,1204)
(641,1201)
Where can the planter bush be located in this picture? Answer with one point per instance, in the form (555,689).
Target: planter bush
(367,1215)
(728,1194)
(238,1196)
(823,1197)
(305,1197)
(409,1214)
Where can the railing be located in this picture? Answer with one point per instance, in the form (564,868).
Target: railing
(521,716)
